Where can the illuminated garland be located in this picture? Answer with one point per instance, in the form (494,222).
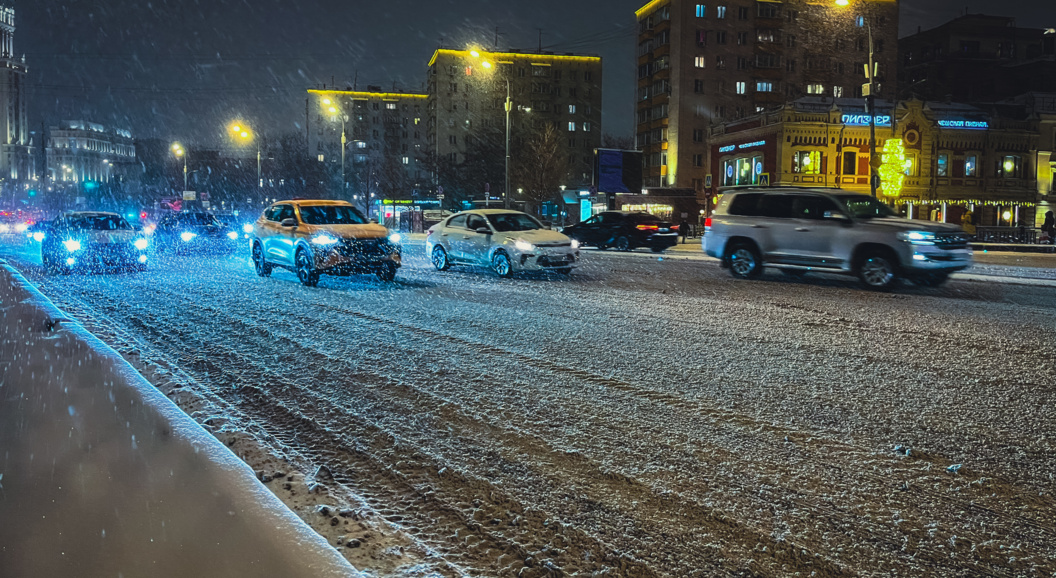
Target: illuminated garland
(893,166)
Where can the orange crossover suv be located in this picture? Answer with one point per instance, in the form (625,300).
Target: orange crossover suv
(313,237)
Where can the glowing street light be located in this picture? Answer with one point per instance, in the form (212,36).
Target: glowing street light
(335,114)
(870,99)
(509,106)
(243,132)
(177,149)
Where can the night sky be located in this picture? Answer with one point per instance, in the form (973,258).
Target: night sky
(181,69)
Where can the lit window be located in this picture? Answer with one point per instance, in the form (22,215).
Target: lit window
(764,86)
(807,162)
(837,91)
(971,167)
(943,169)
(571,109)
(361,144)
(741,87)
(406,160)
(390,105)
(815,89)
(698,62)
(571,127)
(586,127)
(720,12)
(701,10)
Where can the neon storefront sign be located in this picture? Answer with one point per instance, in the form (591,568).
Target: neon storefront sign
(863,119)
(747,145)
(971,124)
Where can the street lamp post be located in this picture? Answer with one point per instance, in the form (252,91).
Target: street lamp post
(344,142)
(178,150)
(245,133)
(870,100)
(506,186)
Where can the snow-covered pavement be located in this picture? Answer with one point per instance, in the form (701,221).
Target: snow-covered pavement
(646,417)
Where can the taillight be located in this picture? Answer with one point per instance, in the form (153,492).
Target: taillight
(648,228)
(707,224)
(430,231)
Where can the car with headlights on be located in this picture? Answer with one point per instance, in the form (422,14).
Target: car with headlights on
(503,240)
(317,237)
(830,231)
(624,231)
(92,241)
(194,232)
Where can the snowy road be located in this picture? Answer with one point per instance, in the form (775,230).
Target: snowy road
(643,418)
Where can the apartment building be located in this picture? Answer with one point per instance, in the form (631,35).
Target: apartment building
(706,63)
(467,122)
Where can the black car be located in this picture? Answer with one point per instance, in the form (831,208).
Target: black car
(194,232)
(624,231)
(92,241)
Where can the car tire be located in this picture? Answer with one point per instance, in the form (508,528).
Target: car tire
(387,271)
(622,243)
(263,267)
(744,261)
(877,271)
(439,258)
(305,269)
(500,263)
(930,279)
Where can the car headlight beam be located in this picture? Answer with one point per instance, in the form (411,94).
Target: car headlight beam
(324,240)
(141,244)
(575,244)
(187,236)
(395,238)
(72,245)
(232,235)
(247,228)
(524,246)
(918,237)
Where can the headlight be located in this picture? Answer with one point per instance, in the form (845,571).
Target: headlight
(232,235)
(141,244)
(142,258)
(575,244)
(38,236)
(524,246)
(324,240)
(918,237)
(187,236)
(247,228)
(395,238)
(21,227)
(72,245)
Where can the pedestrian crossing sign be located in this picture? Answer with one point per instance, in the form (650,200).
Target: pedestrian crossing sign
(764,179)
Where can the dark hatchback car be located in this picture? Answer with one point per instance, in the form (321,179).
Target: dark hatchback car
(195,232)
(624,231)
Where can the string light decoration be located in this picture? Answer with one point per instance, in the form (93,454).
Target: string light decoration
(892,167)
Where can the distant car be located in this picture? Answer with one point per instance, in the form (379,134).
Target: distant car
(241,224)
(624,231)
(198,232)
(314,237)
(38,231)
(821,230)
(506,241)
(92,241)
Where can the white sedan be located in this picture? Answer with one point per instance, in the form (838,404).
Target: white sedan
(506,241)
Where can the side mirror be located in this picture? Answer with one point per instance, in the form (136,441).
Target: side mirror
(289,223)
(838,217)
(484,230)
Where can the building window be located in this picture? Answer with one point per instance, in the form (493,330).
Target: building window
(701,11)
(702,37)
(742,13)
(406,160)
(720,37)
(971,166)
(815,89)
(720,62)
(943,165)
(850,162)
(764,35)
(586,127)
(766,10)
(698,86)
(1010,167)
(698,160)
(587,76)
(571,127)
(837,91)
(390,105)
(720,12)
(742,38)
(764,86)
(453,88)
(807,162)
(742,63)
(571,109)
(698,135)
(698,62)
(790,65)
(741,87)
(451,139)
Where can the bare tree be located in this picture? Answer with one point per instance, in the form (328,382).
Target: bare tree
(541,167)
(611,141)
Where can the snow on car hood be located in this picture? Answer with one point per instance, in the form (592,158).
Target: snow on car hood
(115,236)
(914,225)
(537,236)
(365,231)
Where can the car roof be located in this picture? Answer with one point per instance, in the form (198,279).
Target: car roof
(789,189)
(316,202)
(69,214)
(493,212)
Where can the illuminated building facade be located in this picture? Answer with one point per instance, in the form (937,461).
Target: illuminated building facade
(705,63)
(467,117)
(946,158)
(81,151)
(15,160)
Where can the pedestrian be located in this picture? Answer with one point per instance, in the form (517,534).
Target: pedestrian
(1049,227)
(683,229)
(968,222)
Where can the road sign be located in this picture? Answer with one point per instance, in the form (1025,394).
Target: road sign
(188,195)
(440,197)
(764,179)
(876,181)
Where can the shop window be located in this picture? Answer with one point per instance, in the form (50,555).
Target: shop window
(971,166)
(850,162)
(1010,167)
(807,162)
(943,165)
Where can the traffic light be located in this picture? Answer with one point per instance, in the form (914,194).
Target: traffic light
(90,185)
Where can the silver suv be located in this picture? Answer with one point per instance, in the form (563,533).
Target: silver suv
(831,231)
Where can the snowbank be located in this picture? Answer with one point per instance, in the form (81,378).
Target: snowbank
(101,475)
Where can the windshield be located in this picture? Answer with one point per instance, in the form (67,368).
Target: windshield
(505,222)
(863,207)
(331,215)
(198,219)
(99,223)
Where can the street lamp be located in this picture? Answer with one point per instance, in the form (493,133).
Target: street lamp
(177,149)
(870,100)
(245,133)
(331,107)
(508,106)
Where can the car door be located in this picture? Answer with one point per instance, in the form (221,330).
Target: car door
(587,231)
(451,236)
(278,245)
(816,230)
(774,227)
(475,246)
(609,227)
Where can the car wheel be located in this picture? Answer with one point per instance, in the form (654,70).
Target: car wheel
(439,257)
(263,267)
(566,271)
(500,263)
(623,244)
(387,271)
(744,261)
(930,279)
(877,271)
(306,272)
